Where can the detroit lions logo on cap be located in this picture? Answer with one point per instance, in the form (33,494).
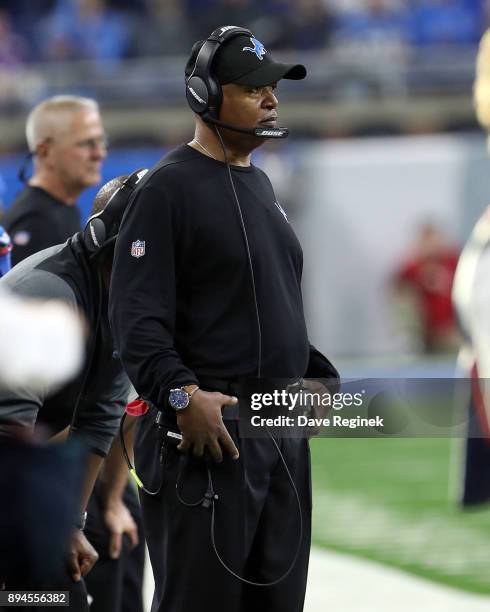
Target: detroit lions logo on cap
(258,48)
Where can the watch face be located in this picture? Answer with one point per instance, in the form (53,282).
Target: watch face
(178,399)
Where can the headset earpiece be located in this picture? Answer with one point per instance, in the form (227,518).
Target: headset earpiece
(95,234)
(203,90)
(197,94)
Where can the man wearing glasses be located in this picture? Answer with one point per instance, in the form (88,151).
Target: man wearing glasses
(67,142)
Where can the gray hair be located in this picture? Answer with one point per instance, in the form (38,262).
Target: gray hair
(51,116)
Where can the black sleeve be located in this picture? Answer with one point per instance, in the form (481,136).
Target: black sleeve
(319,366)
(142,303)
(99,416)
(19,407)
(31,234)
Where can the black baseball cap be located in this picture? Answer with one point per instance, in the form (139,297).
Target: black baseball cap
(244,60)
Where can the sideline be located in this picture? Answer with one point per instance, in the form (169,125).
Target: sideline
(348,584)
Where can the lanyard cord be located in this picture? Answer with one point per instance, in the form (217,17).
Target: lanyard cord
(249,257)
(132,469)
(210,498)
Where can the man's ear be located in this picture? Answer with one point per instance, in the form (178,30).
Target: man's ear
(42,149)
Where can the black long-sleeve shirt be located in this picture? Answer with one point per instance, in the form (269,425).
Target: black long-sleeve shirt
(37,220)
(181,302)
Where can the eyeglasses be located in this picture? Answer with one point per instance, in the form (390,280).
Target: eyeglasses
(87,143)
(93,143)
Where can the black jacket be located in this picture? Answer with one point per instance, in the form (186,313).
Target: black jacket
(100,391)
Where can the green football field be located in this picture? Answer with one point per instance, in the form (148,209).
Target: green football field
(393,500)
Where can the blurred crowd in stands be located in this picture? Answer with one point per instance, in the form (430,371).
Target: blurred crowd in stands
(112,30)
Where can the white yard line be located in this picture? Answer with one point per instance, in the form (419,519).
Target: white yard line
(347,584)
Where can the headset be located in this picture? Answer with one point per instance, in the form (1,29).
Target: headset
(203,90)
(101,229)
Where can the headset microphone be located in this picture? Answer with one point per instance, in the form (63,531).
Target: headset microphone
(260,132)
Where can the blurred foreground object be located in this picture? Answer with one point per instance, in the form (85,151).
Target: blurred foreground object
(471,295)
(45,342)
(482,83)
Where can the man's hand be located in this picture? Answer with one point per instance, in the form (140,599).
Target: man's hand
(81,555)
(202,427)
(317,409)
(119,521)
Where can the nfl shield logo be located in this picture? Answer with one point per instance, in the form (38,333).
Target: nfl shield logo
(138,248)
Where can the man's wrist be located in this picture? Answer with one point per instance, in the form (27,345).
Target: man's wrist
(112,498)
(81,522)
(180,397)
(191,389)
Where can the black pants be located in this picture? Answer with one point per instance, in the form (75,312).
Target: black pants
(39,489)
(115,585)
(257,525)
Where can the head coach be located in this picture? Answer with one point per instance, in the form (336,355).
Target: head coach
(205,292)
